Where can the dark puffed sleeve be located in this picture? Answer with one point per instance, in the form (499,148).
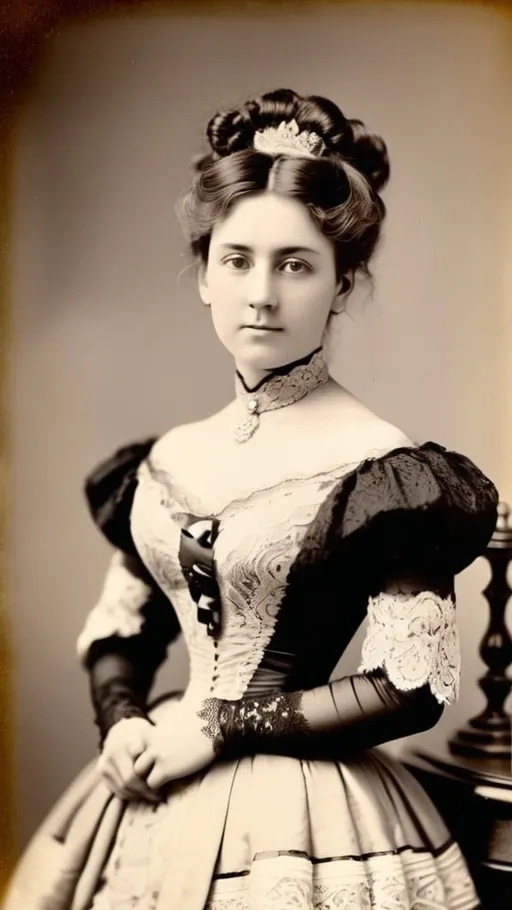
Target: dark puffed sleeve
(109,489)
(423,510)
(127,633)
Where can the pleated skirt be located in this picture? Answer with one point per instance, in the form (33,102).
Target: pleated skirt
(260,833)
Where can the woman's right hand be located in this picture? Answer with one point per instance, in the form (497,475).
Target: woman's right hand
(124,742)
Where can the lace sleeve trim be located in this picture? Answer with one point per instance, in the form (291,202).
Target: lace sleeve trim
(118,610)
(414,638)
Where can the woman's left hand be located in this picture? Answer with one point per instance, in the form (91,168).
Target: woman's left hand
(177,748)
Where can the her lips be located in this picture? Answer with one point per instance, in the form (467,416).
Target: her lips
(264,328)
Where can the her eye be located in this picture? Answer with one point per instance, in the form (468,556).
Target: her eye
(296,266)
(236,262)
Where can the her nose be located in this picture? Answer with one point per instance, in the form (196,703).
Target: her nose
(261,288)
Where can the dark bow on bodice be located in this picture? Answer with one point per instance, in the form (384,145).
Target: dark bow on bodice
(197,563)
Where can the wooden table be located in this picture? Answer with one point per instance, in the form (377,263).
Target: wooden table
(474,797)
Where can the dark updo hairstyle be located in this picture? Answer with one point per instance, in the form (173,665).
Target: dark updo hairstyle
(340,187)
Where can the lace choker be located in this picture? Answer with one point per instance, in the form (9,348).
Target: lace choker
(282,388)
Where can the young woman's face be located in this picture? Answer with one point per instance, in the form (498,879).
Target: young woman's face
(270,281)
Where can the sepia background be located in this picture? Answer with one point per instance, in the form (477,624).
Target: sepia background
(109,342)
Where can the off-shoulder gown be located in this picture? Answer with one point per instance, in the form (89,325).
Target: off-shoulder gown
(297,568)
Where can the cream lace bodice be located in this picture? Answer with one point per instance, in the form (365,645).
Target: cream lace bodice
(260,536)
(413,636)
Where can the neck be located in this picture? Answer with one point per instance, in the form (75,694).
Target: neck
(252,385)
(283,387)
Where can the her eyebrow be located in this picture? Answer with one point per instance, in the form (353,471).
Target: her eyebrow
(283,251)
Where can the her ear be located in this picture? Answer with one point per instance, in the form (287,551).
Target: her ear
(344,286)
(203,285)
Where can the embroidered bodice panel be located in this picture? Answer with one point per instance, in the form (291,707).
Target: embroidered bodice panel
(259,537)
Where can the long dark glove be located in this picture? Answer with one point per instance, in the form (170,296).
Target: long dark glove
(345,716)
(122,669)
(116,692)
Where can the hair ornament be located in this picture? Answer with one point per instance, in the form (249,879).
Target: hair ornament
(287,139)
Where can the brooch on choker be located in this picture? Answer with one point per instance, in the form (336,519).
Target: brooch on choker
(278,391)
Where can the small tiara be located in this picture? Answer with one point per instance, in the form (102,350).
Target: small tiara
(287,139)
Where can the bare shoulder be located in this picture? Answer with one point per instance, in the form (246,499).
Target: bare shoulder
(362,429)
(179,443)
(172,442)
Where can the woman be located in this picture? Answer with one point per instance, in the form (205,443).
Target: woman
(267,533)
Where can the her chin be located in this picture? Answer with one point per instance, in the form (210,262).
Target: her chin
(262,356)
